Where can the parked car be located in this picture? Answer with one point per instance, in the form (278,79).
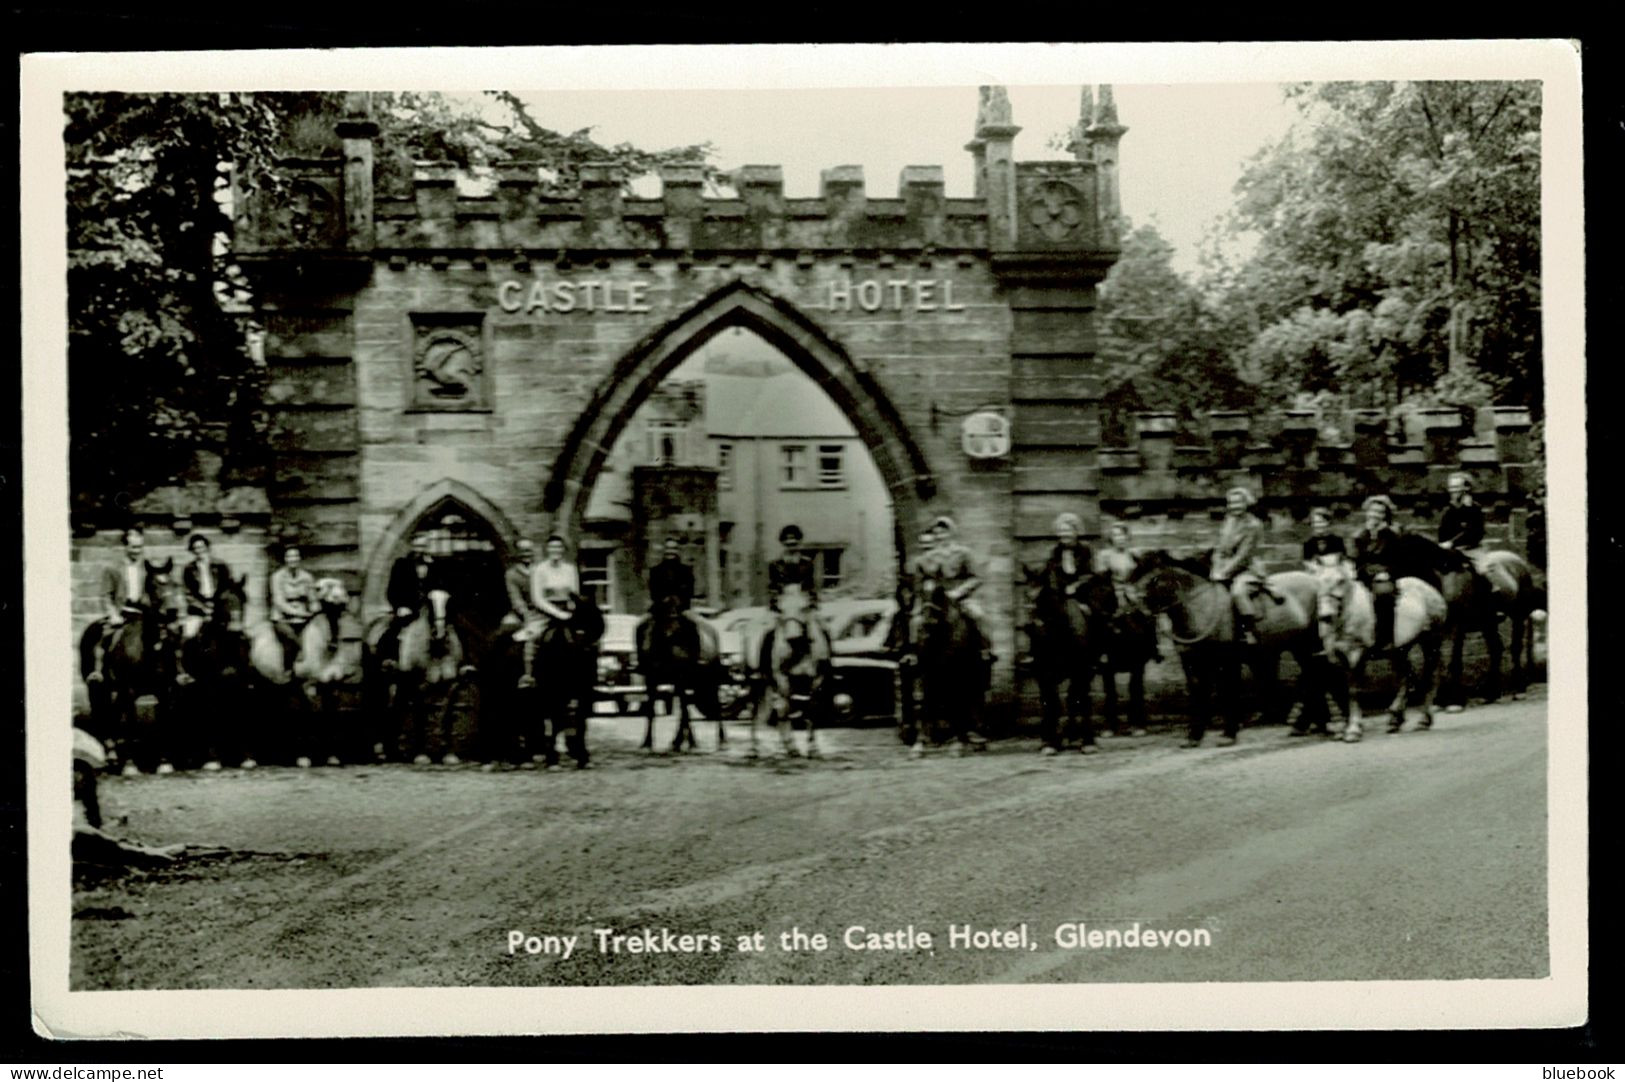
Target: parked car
(618,679)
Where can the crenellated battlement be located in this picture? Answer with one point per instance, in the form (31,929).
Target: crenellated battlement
(1041,207)
(1291,465)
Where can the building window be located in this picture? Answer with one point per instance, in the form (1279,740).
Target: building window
(831,465)
(725,465)
(595,575)
(664,439)
(827,563)
(793,463)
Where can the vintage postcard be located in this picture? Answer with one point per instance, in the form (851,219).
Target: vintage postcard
(1043,537)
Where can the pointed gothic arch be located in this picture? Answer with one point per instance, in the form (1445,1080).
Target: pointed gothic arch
(899,458)
(445,495)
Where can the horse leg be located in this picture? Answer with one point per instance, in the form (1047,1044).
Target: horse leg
(1454,695)
(1052,734)
(1196,686)
(1519,676)
(1111,722)
(1078,696)
(1353,728)
(1229,692)
(648,714)
(1136,698)
(1492,639)
(1432,646)
(1403,675)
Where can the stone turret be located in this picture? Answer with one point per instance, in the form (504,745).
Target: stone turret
(996,135)
(1103,136)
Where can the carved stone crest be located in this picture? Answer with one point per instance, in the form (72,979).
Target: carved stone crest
(1056,210)
(448,363)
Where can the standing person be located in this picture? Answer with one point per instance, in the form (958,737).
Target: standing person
(123,595)
(410,579)
(1117,561)
(953,566)
(1374,546)
(1235,560)
(201,581)
(1322,546)
(523,616)
(293,602)
(1461,529)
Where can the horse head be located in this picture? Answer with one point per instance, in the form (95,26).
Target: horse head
(1334,583)
(437,603)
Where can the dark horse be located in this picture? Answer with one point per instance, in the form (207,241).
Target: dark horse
(1068,636)
(1478,602)
(1211,651)
(565,670)
(952,672)
(137,671)
(1131,645)
(213,679)
(678,664)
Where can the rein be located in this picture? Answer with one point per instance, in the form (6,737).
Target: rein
(1179,639)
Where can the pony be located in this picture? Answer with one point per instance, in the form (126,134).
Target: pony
(952,673)
(678,662)
(1068,637)
(794,675)
(1478,602)
(213,677)
(137,671)
(565,670)
(329,658)
(1348,628)
(1203,624)
(430,663)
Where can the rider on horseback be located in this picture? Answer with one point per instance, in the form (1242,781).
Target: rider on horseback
(1322,547)
(1071,563)
(1374,553)
(124,597)
(410,580)
(555,584)
(671,584)
(794,568)
(1462,527)
(952,566)
(293,603)
(1120,564)
(202,582)
(1235,560)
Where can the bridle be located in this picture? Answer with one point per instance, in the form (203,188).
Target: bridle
(1166,610)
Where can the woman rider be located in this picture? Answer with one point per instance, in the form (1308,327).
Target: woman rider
(1374,554)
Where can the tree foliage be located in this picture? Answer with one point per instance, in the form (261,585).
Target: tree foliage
(1162,344)
(159,315)
(1398,242)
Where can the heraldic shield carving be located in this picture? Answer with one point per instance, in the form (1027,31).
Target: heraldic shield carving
(448,362)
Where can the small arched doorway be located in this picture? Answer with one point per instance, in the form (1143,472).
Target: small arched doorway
(468,536)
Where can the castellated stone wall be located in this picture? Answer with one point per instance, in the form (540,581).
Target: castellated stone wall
(1172,496)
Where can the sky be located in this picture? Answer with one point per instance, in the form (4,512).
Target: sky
(1180,159)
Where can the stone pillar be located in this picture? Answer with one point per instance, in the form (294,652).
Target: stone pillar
(997,134)
(357,130)
(680,191)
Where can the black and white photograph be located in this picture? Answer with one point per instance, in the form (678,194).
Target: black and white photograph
(914,537)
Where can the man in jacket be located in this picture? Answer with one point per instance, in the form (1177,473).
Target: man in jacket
(410,580)
(123,595)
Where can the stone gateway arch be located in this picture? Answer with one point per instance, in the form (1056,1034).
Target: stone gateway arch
(433,349)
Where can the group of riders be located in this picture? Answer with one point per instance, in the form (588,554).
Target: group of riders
(544,592)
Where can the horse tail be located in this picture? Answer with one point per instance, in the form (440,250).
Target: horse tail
(265,654)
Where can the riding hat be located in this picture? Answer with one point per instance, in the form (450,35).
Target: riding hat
(790,531)
(1465,479)
(1246,495)
(1383,502)
(195,537)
